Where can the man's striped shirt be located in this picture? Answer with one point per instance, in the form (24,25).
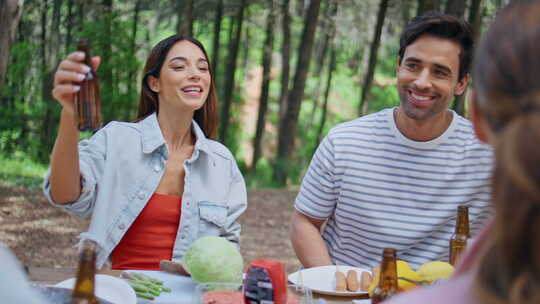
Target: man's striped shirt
(379,189)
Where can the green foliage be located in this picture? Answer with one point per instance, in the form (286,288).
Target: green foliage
(383,97)
(19,170)
(29,117)
(119,94)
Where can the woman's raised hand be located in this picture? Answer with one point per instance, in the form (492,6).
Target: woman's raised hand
(70,72)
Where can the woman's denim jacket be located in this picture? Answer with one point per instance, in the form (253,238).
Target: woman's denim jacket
(121,166)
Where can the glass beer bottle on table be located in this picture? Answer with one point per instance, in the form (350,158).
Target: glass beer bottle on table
(83,292)
(387,286)
(458,241)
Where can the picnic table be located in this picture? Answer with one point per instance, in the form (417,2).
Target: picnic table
(51,276)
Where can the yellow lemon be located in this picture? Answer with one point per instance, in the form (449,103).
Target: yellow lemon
(376,271)
(435,270)
(403,270)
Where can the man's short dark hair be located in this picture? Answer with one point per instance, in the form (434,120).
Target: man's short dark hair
(442,26)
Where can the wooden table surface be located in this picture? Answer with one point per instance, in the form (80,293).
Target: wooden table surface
(51,276)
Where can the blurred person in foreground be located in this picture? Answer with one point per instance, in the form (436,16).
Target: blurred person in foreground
(154,186)
(14,285)
(503,265)
(395,178)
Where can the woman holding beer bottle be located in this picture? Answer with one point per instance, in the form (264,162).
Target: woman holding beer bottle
(153,186)
(503,265)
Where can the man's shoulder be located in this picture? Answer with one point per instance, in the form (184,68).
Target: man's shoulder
(464,131)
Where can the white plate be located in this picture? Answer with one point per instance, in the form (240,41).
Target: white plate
(109,288)
(182,288)
(322,279)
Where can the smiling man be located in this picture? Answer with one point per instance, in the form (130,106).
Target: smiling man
(396,177)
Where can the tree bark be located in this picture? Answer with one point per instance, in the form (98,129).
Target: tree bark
(364,104)
(217,35)
(267,67)
(184,24)
(229,78)
(10,14)
(287,127)
(285,57)
(456,7)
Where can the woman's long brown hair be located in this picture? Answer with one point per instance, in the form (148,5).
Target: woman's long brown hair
(207,116)
(507,82)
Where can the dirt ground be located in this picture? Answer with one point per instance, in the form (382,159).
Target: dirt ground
(42,235)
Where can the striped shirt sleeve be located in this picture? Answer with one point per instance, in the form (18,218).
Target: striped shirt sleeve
(318,196)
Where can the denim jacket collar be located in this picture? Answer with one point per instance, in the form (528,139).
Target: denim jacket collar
(152,138)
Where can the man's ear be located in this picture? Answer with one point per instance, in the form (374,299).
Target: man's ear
(153,83)
(478,119)
(462,84)
(397,64)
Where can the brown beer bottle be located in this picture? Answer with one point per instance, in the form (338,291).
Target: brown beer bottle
(388,277)
(88,100)
(458,241)
(83,292)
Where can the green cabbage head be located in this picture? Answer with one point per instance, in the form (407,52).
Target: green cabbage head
(213,259)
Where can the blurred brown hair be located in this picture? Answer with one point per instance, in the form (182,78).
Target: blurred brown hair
(207,116)
(507,83)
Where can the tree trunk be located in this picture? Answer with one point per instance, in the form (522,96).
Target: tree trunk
(456,7)
(475,19)
(51,53)
(428,5)
(364,104)
(69,24)
(406,11)
(285,57)
(217,32)
(80,15)
(184,24)
(267,67)
(10,13)
(287,126)
(330,13)
(246,44)
(229,78)
(132,74)
(106,67)
(326,95)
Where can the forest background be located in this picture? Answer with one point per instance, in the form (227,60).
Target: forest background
(285,70)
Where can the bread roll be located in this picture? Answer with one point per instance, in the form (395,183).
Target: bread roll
(341,282)
(352,280)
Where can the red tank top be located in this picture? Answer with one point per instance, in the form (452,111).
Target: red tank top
(151,237)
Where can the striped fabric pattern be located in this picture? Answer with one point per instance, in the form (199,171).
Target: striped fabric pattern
(380,189)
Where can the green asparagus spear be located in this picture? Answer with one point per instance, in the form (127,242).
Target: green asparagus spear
(145,295)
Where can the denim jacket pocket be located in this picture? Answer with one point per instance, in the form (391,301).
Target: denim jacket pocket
(213,218)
